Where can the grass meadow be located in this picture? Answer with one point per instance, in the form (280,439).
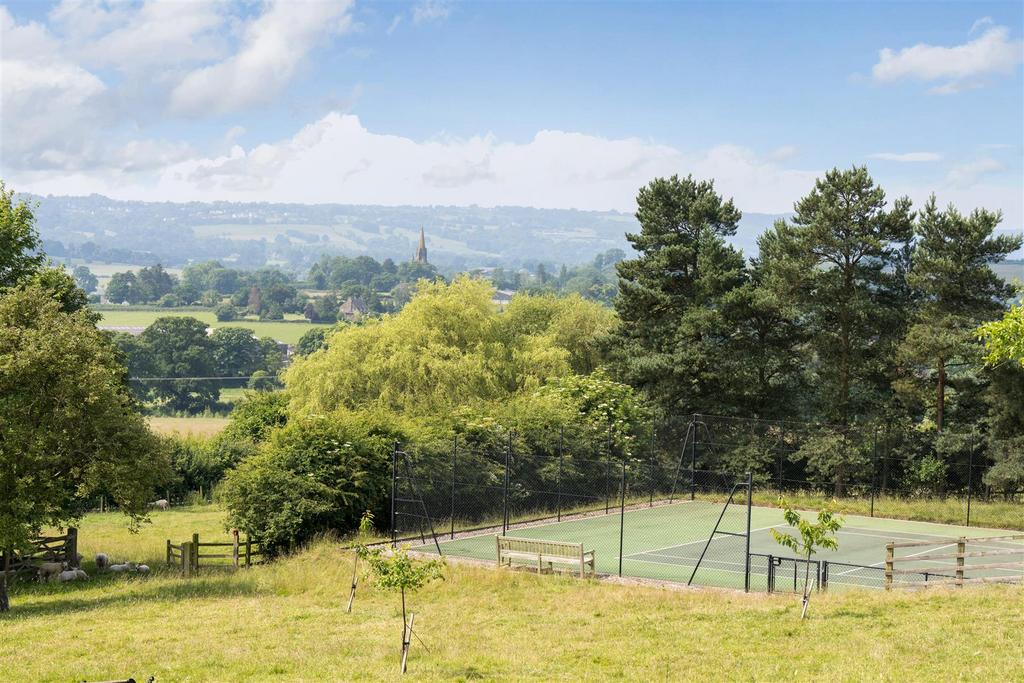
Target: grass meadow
(188,426)
(286,621)
(287,331)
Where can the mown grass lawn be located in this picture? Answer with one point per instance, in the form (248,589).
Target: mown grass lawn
(286,621)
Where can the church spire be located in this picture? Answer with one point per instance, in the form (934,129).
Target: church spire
(421,250)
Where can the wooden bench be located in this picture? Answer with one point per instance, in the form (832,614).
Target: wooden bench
(544,552)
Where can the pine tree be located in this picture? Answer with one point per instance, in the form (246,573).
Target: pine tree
(957,290)
(673,336)
(843,250)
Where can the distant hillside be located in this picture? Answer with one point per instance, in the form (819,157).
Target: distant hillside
(295,235)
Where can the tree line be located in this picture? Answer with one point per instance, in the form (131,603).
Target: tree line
(858,309)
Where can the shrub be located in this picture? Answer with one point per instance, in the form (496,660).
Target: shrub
(225,312)
(255,416)
(201,463)
(316,475)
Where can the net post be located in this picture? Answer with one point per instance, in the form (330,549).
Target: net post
(622,513)
(750,499)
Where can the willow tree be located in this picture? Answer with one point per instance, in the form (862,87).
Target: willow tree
(449,346)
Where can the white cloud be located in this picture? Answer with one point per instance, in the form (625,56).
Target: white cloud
(784,152)
(908,157)
(961,67)
(336,159)
(136,37)
(431,10)
(274,45)
(394,24)
(968,174)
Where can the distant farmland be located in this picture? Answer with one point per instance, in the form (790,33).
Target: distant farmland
(285,331)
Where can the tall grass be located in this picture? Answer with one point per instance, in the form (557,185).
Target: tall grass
(286,621)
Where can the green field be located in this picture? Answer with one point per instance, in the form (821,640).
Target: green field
(285,331)
(665,542)
(286,621)
(188,426)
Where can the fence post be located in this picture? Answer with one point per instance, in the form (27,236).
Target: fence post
(186,559)
(168,552)
(394,492)
(782,440)
(746,562)
(558,481)
(455,455)
(195,551)
(874,468)
(693,460)
(248,552)
(504,497)
(890,552)
(234,547)
(970,480)
(607,469)
(961,548)
(622,513)
(71,547)
(654,449)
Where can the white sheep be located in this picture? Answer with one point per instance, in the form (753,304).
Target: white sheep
(50,569)
(124,567)
(72,575)
(142,569)
(102,561)
(161,504)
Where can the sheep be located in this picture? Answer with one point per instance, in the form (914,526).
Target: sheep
(50,569)
(142,569)
(72,575)
(102,561)
(161,504)
(125,567)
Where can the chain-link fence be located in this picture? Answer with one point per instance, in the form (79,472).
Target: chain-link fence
(875,470)
(675,500)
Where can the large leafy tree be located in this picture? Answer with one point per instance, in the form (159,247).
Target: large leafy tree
(766,340)
(671,338)
(180,347)
(69,423)
(448,347)
(20,253)
(844,249)
(957,291)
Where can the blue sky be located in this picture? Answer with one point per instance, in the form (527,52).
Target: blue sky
(544,104)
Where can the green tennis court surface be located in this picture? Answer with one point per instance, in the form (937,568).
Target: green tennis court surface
(665,542)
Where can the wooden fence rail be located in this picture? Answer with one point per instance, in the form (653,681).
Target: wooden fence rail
(188,555)
(959,566)
(62,548)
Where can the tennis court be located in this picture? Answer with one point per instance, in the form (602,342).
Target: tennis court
(666,541)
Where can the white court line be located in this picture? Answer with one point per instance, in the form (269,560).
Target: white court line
(895,537)
(680,545)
